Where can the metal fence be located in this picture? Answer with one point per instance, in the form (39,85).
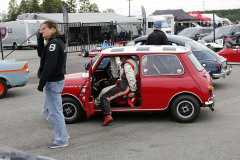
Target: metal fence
(87,35)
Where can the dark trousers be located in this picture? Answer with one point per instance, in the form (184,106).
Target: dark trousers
(109,95)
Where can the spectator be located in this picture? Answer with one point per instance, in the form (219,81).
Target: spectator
(51,74)
(157,37)
(219,24)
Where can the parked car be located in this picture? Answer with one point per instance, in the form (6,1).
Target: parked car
(170,77)
(231,53)
(216,65)
(7,153)
(12,74)
(95,50)
(196,32)
(226,33)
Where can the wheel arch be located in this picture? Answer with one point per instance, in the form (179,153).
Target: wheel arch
(184,93)
(74,97)
(4,78)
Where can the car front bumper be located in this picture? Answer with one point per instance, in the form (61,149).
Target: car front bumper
(223,73)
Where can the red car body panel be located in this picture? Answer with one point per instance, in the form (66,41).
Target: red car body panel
(157,92)
(231,54)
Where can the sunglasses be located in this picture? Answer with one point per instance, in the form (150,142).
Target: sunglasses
(42,29)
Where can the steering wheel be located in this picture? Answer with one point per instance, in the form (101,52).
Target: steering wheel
(99,83)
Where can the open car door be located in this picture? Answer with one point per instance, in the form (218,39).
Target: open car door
(89,99)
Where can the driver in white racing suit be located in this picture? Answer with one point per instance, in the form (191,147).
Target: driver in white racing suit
(126,83)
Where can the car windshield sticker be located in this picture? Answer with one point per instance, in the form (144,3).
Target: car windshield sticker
(52,47)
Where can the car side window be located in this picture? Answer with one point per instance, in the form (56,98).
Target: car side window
(237,29)
(207,30)
(154,65)
(104,63)
(200,31)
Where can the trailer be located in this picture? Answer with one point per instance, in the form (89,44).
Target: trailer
(136,30)
(20,32)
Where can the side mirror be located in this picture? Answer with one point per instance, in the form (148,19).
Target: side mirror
(236,34)
(197,35)
(86,66)
(224,36)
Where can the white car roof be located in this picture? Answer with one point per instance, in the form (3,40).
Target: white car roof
(147,49)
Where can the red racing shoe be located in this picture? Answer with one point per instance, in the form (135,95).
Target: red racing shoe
(107,120)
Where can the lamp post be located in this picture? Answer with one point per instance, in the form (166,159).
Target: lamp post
(129,6)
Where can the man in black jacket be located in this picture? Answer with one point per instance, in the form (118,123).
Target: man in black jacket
(157,37)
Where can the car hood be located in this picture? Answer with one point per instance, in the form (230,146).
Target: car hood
(209,38)
(76,79)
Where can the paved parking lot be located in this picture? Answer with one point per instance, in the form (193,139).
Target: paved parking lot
(140,136)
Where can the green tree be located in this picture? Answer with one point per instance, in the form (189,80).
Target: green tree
(93,8)
(109,10)
(34,6)
(84,6)
(3,15)
(23,7)
(71,6)
(52,6)
(12,10)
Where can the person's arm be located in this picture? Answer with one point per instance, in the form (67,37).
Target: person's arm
(148,40)
(165,39)
(40,42)
(52,52)
(132,82)
(114,69)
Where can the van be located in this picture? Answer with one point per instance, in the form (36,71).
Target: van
(137,29)
(20,32)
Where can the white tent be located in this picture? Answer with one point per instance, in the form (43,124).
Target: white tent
(217,19)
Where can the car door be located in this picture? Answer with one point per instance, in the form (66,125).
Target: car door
(162,76)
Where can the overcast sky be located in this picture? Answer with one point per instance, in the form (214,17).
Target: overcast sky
(122,6)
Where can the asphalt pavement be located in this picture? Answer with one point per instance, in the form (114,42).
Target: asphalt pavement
(136,136)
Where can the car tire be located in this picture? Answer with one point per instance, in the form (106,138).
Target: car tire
(72,110)
(185,109)
(84,53)
(3,88)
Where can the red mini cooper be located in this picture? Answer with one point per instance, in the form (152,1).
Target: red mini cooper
(170,77)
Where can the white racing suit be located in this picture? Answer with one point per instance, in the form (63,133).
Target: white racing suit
(127,82)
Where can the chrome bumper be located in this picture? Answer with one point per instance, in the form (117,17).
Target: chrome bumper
(223,74)
(210,101)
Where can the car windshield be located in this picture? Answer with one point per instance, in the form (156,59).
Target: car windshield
(195,46)
(164,24)
(94,59)
(188,32)
(222,30)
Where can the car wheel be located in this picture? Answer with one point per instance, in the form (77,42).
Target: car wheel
(185,109)
(3,88)
(84,53)
(15,46)
(72,110)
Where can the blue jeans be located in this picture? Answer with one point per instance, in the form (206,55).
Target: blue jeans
(54,112)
